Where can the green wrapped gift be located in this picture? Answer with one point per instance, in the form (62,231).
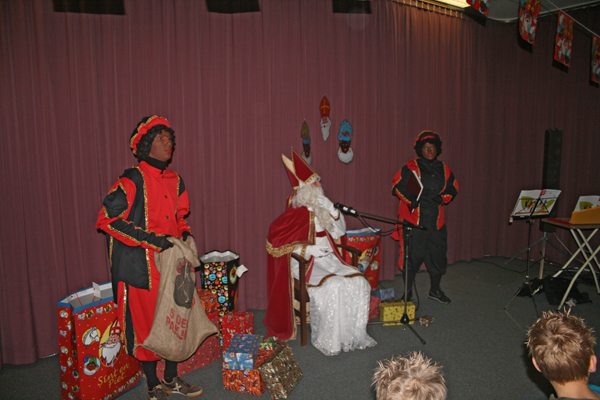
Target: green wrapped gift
(267,343)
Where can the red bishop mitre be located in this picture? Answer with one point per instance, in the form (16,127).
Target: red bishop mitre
(115,329)
(324,107)
(299,171)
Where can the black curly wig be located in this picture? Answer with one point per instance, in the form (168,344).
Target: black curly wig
(145,144)
(435,140)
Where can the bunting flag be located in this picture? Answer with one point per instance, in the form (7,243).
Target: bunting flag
(528,19)
(564,39)
(596,59)
(483,6)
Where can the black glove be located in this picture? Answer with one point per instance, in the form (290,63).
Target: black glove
(438,199)
(185,235)
(165,243)
(414,205)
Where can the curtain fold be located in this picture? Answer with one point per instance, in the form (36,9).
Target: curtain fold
(236,89)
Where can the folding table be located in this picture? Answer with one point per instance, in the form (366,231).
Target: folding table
(584,247)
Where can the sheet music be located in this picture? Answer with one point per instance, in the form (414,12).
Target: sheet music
(586,202)
(527,200)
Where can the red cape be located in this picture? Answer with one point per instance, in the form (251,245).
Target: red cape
(295,227)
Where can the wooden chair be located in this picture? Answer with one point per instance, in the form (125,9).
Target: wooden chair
(300,292)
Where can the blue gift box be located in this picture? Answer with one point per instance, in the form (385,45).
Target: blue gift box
(242,352)
(384,294)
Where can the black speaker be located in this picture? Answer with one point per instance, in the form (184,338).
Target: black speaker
(551,171)
(115,7)
(232,6)
(352,6)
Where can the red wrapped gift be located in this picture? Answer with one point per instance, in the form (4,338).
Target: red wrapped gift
(247,381)
(374,307)
(208,352)
(236,322)
(209,300)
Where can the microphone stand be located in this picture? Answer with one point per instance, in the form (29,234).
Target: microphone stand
(405,320)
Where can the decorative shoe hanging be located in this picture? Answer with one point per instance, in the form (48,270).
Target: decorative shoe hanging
(345,153)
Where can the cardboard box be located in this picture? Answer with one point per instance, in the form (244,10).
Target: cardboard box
(394,310)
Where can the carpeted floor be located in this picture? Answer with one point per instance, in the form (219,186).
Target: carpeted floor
(478,339)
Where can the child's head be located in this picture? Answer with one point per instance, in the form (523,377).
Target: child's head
(562,347)
(410,378)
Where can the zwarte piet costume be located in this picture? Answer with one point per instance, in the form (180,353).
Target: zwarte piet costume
(439,188)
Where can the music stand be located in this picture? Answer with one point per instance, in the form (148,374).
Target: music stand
(530,205)
(405,320)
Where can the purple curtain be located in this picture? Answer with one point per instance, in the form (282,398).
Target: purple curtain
(236,89)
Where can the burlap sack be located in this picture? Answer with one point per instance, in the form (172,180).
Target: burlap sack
(180,323)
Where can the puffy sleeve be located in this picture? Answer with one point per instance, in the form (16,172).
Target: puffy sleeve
(399,186)
(113,218)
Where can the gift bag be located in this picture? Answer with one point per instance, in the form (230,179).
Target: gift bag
(368,241)
(220,276)
(180,324)
(93,362)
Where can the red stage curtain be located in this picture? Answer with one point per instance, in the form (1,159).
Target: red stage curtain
(236,89)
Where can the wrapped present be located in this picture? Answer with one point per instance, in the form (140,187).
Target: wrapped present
(383,294)
(236,322)
(219,276)
(241,352)
(209,301)
(267,343)
(368,241)
(92,357)
(374,307)
(394,310)
(208,352)
(247,381)
(426,320)
(280,372)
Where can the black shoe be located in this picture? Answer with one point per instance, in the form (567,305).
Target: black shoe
(439,296)
(404,296)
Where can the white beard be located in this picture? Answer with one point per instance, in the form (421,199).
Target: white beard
(307,196)
(325,128)
(110,351)
(346,158)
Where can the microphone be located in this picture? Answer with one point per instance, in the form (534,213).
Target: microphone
(345,209)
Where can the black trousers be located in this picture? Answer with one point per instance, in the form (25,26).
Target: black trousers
(430,247)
